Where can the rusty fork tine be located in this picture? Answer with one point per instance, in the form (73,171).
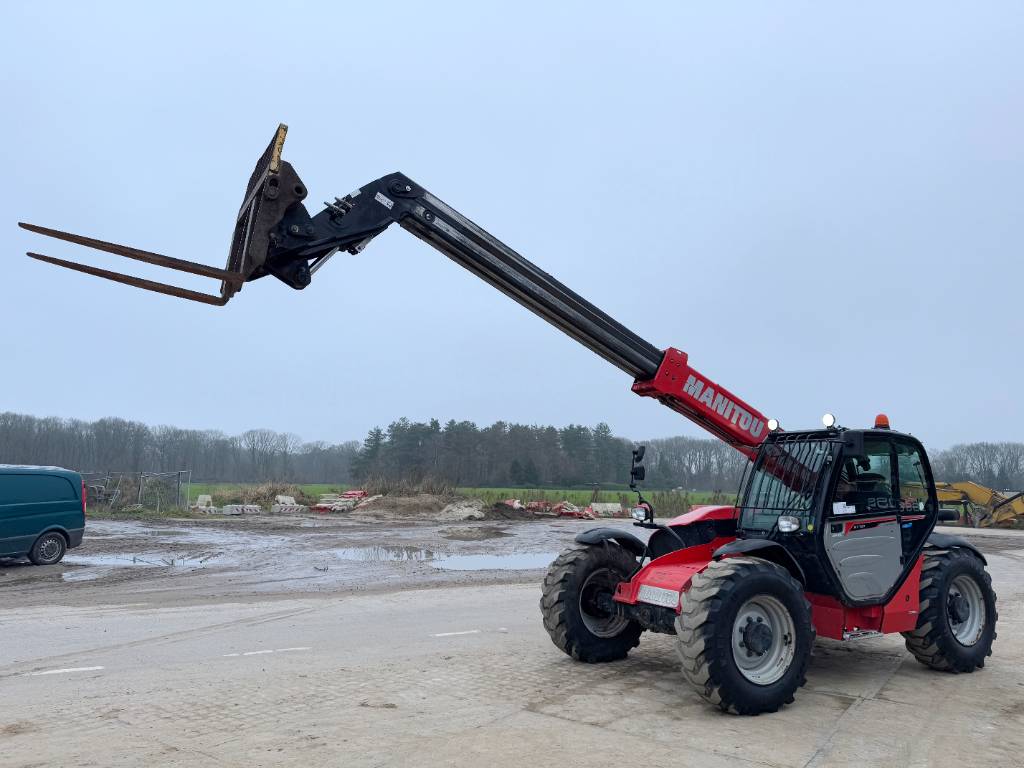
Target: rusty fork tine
(138,282)
(148,257)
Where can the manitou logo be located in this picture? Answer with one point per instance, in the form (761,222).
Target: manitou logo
(723,406)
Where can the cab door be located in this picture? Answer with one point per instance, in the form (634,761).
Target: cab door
(862,534)
(918,504)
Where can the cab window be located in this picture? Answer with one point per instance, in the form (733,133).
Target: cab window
(914,496)
(785,480)
(865,484)
(916,503)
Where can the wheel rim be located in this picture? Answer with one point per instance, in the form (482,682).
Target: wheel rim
(763,640)
(599,622)
(49,549)
(965,609)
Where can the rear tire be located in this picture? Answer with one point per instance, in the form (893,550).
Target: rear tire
(744,635)
(957,617)
(49,549)
(575,623)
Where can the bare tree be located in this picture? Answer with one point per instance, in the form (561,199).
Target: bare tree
(260,445)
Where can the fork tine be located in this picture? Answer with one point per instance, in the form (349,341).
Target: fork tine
(139,255)
(138,282)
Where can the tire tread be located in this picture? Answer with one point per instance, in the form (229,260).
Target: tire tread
(928,642)
(555,606)
(701,606)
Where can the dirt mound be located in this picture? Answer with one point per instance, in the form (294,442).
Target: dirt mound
(505,512)
(464,509)
(420,506)
(481,533)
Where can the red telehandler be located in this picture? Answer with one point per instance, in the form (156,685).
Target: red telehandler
(832,533)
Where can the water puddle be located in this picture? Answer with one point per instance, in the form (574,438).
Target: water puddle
(514,562)
(384,554)
(519,562)
(140,561)
(118,561)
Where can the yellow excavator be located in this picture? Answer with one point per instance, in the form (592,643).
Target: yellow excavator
(981,507)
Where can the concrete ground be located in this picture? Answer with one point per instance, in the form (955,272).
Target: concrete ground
(168,664)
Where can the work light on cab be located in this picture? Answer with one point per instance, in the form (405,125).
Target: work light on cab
(789,523)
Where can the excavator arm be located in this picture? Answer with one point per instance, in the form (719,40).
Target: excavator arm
(276,235)
(982,507)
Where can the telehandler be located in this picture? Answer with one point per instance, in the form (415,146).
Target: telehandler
(832,533)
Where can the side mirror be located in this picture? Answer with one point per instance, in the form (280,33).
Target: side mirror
(947,515)
(636,469)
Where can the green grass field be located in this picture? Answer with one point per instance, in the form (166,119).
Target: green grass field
(235,489)
(665,502)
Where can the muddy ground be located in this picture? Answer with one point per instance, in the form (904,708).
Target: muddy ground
(185,561)
(179,561)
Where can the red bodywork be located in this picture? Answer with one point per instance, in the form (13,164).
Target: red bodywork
(664,580)
(674,570)
(699,399)
(833,619)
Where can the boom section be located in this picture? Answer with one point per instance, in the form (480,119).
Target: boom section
(276,235)
(351,222)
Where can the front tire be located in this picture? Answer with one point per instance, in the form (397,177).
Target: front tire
(579,580)
(49,549)
(744,635)
(957,620)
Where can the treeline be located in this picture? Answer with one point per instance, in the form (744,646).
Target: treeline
(118,445)
(505,454)
(997,465)
(457,452)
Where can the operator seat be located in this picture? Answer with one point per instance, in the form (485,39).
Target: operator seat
(872,482)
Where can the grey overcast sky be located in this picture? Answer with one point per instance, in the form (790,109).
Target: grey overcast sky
(821,205)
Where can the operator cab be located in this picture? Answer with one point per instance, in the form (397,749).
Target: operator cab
(852,507)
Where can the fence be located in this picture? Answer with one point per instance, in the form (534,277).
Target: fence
(149,490)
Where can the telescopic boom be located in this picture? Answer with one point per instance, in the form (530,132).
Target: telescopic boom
(276,235)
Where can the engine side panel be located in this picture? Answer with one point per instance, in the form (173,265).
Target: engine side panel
(701,525)
(703,513)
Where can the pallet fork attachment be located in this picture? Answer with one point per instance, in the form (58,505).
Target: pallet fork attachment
(133,253)
(261,209)
(276,235)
